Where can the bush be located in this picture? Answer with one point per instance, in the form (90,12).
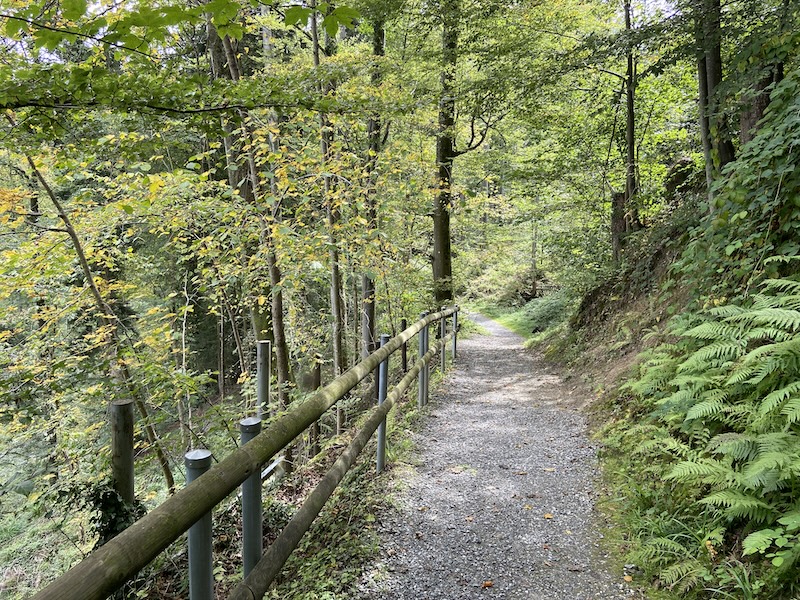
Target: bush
(548,311)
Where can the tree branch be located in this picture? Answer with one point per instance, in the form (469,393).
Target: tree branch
(78,34)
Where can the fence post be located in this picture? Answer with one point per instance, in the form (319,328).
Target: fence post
(421,353)
(383,384)
(455,331)
(316,383)
(263,368)
(442,335)
(201,567)
(122,449)
(252,535)
(404,348)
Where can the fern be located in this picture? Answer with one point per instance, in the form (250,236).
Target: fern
(770,316)
(792,410)
(706,408)
(703,470)
(738,446)
(715,352)
(687,573)
(777,397)
(736,504)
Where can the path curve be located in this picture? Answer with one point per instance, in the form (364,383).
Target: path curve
(501,502)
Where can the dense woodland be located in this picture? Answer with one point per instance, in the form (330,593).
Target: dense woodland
(180,180)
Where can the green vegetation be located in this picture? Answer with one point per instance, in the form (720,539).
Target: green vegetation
(608,178)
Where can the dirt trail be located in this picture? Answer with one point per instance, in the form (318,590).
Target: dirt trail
(501,502)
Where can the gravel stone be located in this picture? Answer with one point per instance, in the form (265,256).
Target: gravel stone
(501,503)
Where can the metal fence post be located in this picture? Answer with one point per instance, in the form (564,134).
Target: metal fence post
(404,348)
(455,331)
(201,566)
(421,375)
(427,367)
(442,335)
(252,511)
(263,367)
(122,449)
(383,384)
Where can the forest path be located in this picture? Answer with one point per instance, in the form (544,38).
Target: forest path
(501,502)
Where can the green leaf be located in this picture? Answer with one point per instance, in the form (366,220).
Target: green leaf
(73,9)
(297,14)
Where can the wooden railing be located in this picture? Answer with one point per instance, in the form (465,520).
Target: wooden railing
(110,566)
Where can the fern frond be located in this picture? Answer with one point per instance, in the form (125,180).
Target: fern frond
(768,334)
(716,352)
(792,410)
(713,330)
(666,444)
(759,541)
(686,573)
(741,372)
(706,408)
(703,470)
(737,504)
(778,397)
(738,446)
(772,317)
(726,310)
(765,470)
(783,286)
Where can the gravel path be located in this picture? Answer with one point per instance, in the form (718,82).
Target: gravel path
(501,502)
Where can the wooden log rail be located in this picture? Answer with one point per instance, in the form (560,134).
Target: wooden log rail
(110,566)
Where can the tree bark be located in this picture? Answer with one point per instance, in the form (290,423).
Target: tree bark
(374,145)
(332,215)
(712,45)
(631,183)
(445,155)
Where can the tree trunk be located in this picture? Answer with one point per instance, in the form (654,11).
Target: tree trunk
(702,103)
(332,214)
(718,126)
(368,312)
(631,184)
(445,155)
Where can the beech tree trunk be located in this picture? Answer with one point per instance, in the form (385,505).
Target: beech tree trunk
(332,214)
(445,155)
(368,312)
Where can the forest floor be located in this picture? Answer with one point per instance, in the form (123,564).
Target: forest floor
(500,502)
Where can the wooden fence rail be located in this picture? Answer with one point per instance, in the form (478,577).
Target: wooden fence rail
(110,566)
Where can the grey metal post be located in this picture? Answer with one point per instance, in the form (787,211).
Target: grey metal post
(122,449)
(442,335)
(421,375)
(427,368)
(404,348)
(252,535)
(455,331)
(383,384)
(201,567)
(263,367)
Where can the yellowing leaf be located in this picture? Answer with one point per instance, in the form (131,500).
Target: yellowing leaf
(548,515)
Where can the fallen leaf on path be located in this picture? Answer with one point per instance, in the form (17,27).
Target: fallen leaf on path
(469,519)
(628,578)
(487,584)
(549,470)
(423,508)
(568,532)
(521,473)
(527,507)
(548,515)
